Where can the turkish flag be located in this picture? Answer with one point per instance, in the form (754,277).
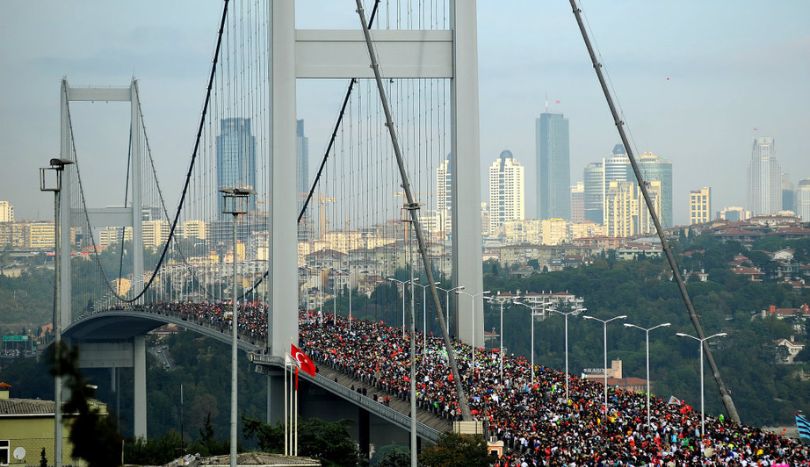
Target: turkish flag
(302,360)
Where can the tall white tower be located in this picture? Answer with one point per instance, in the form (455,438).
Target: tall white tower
(764,178)
(506,191)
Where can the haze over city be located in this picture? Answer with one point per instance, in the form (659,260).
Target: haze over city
(697,83)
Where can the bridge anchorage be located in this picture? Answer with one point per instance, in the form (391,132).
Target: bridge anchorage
(154,262)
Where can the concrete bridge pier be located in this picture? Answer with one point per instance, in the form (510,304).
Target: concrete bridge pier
(130,353)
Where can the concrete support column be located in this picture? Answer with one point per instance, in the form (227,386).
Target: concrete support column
(66,196)
(466,175)
(364,431)
(136,187)
(139,392)
(283,216)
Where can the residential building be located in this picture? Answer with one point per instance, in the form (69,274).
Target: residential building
(506,191)
(39,235)
(6,212)
(553,170)
(578,202)
(734,214)
(155,233)
(522,231)
(803,199)
(700,206)
(112,235)
(236,158)
(484,219)
(764,178)
(586,229)
(626,213)
(654,167)
(593,179)
(555,231)
(193,228)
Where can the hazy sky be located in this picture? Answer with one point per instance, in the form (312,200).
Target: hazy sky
(694,78)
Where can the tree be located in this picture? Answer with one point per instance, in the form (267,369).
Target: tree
(454,450)
(94,435)
(392,455)
(326,441)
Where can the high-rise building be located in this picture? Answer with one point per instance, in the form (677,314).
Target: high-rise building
(302,170)
(803,199)
(6,212)
(764,178)
(788,194)
(506,191)
(553,170)
(626,214)
(578,202)
(236,158)
(700,206)
(654,167)
(593,178)
(444,193)
(615,168)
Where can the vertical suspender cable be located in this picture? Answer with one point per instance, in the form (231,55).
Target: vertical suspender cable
(690,308)
(414,213)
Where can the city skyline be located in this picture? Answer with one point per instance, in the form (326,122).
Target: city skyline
(694,84)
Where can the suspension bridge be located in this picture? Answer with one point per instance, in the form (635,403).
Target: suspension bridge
(396,193)
(301,241)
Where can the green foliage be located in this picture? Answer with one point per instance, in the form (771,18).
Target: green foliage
(392,455)
(329,442)
(154,451)
(94,436)
(454,450)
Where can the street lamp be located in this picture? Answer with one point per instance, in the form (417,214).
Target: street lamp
(500,301)
(473,296)
(532,310)
(424,315)
(447,293)
(604,344)
(700,355)
(50,179)
(235,202)
(647,340)
(565,314)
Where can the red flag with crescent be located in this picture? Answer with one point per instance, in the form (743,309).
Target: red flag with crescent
(302,360)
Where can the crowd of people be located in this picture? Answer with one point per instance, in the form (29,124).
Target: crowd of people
(536,422)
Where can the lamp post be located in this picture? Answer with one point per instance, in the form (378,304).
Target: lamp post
(424,314)
(700,355)
(235,202)
(447,293)
(604,345)
(647,342)
(565,315)
(531,315)
(54,184)
(500,301)
(473,296)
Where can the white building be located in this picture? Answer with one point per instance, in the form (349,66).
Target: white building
(6,212)
(764,178)
(700,206)
(506,191)
(444,194)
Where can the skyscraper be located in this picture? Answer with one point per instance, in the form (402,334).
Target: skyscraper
(553,171)
(700,206)
(578,202)
(236,158)
(788,194)
(505,191)
(302,158)
(803,199)
(593,178)
(764,178)
(626,214)
(654,167)
(615,168)
(444,194)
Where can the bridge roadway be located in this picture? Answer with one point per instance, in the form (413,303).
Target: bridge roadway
(124,324)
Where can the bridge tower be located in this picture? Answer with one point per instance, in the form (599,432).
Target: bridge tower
(404,54)
(108,354)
